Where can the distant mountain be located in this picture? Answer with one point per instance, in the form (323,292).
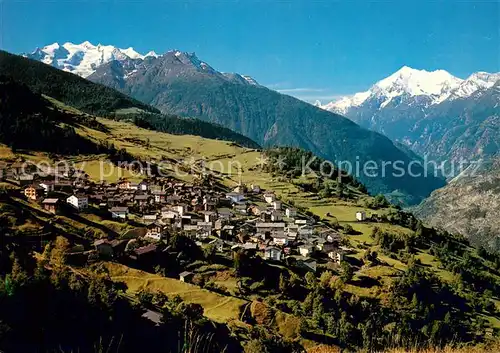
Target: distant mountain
(475,82)
(172,65)
(464,128)
(468,205)
(433,113)
(82,59)
(407,84)
(98,99)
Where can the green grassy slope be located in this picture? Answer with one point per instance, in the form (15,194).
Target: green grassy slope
(184,151)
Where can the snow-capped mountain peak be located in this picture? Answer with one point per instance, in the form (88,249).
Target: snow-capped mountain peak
(477,81)
(50,48)
(250,80)
(343,104)
(406,80)
(87,45)
(407,83)
(241,79)
(83,59)
(131,53)
(151,53)
(192,60)
(485,77)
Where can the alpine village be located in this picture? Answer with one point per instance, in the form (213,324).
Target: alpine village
(129,227)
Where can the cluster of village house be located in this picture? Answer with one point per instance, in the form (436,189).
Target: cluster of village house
(245,219)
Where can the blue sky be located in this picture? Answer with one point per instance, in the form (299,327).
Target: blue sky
(315,49)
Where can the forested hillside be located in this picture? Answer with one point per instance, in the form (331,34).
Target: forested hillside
(468,205)
(29,121)
(48,305)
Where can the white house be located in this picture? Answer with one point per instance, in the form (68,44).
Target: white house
(360,216)
(291,231)
(277,205)
(227,230)
(306,250)
(186,276)
(336,256)
(280,240)
(143,185)
(180,209)
(204,229)
(119,212)
(155,231)
(291,212)
(273,253)
(149,218)
(159,196)
(169,214)
(78,201)
(269,197)
(272,229)
(190,229)
(250,246)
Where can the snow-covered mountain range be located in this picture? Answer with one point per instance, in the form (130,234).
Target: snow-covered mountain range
(432,87)
(85,58)
(431,112)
